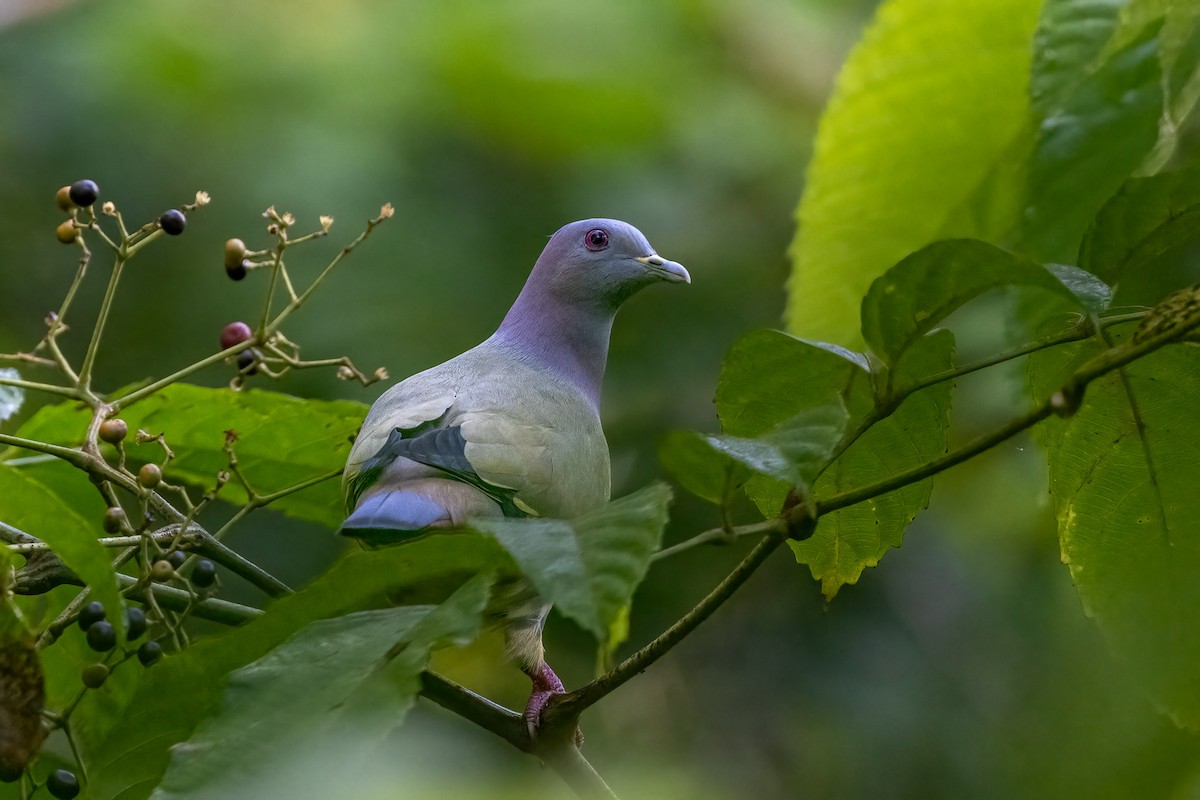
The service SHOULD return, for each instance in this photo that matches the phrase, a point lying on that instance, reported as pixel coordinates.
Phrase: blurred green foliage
(964, 668)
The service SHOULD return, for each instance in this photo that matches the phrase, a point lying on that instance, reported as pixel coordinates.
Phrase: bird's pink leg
(545, 685)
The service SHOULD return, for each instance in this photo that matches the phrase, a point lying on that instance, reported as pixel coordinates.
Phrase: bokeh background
(963, 667)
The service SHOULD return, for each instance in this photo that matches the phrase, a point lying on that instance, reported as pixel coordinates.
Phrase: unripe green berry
(94, 675)
(150, 475)
(235, 251)
(66, 232)
(162, 571)
(63, 198)
(114, 431)
(114, 519)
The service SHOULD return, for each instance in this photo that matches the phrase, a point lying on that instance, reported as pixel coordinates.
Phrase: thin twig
(722, 536)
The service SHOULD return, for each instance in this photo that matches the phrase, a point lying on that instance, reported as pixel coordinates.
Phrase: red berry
(235, 333)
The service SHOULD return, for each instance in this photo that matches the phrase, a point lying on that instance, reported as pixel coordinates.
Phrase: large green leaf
(588, 567)
(127, 753)
(1123, 477)
(282, 441)
(922, 290)
(1147, 218)
(853, 538)
(333, 676)
(927, 112)
(29, 506)
(1070, 36)
(1093, 134)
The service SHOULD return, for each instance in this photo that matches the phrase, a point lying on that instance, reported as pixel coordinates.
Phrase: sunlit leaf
(281, 441)
(1123, 477)
(588, 567)
(334, 676)
(929, 109)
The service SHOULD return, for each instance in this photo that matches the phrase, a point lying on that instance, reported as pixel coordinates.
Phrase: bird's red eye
(596, 239)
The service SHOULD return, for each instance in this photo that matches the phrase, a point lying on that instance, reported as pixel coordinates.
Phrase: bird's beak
(667, 270)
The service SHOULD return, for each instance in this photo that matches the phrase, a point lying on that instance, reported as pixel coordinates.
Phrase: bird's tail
(397, 513)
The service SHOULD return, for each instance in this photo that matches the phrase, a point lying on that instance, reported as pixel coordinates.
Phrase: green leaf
(282, 441)
(928, 117)
(127, 753)
(1098, 132)
(31, 507)
(588, 567)
(1070, 36)
(923, 289)
(11, 397)
(769, 377)
(697, 467)
(1123, 477)
(793, 452)
(334, 676)
(853, 538)
(1147, 218)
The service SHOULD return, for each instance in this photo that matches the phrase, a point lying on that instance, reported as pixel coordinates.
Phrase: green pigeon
(512, 426)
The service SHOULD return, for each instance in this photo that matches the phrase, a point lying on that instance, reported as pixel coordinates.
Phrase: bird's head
(601, 262)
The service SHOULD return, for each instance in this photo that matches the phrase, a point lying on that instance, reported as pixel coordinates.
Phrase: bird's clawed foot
(545, 685)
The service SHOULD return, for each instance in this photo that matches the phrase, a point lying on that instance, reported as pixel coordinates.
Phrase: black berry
(102, 636)
(235, 333)
(83, 193)
(176, 558)
(94, 675)
(63, 784)
(204, 574)
(150, 475)
(114, 430)
(172, 222)
(246, 361)
(149, 652)
(135, 623)
(92, 613)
